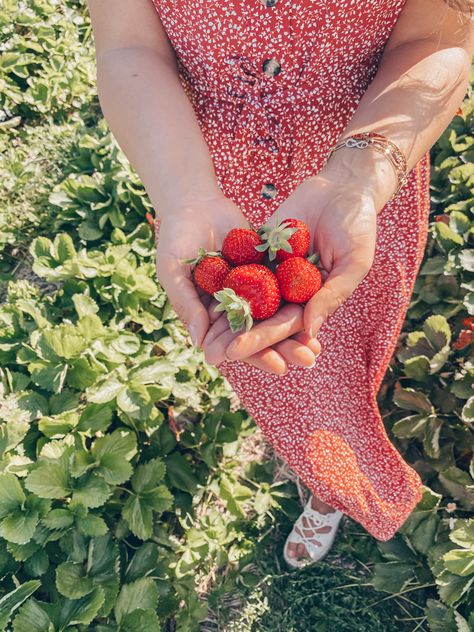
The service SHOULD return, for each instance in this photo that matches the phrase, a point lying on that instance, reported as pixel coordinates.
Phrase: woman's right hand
(182, 232)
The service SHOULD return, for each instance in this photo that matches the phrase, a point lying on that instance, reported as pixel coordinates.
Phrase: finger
(215, 350)
(269, 360)
(287, 321)
(295, 353)
(215, 330)
(176, 281)
(213, 315)
(340, 284)
(204, 297)
(312, 343)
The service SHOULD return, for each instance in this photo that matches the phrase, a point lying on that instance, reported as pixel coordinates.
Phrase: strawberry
(238, 247)
(209, 271)
(468, 322)
(291, 238)
(298, 279)
(150, 219)
(250, 292)
(465, 338)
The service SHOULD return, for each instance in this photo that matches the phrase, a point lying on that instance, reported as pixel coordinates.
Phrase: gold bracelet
(385, 146)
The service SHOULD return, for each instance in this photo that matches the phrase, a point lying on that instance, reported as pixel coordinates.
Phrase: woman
(229, 110)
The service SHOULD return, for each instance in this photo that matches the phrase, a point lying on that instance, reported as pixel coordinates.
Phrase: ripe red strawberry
(238, 247)
(468, 322)
(209, 271)
(298, 279)
(250, 292)
(291, 238)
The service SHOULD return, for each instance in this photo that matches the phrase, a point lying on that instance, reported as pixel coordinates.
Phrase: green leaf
(114, 469)
(51, 377)
(84, 305)
(140, 620)
(469, 303)
(19, 527)
(13, 600)
(105, 392)
(126, 343)
(463, 533)
(49, 480)
(152, 371)
(91, 491)
(119, 443)
(92, 526)
(11, 494)
(41, 247)
(453, 587)
(410, 427)
(440, 617)
(392, 577)
(460, 562)
(180, 473)
(139, 595)
(32, 618)
(409, 399)
(467, 412)
(417, 368)
(147, 475)
(466, 258)
(132, 398)
(159, 499)
(446, 237)
(83, 610)
(438, 332)
(64, 247)
(145, 560)
(139, 517)
(71, 580)
(37, 564)
(431, 439)
(457, 482)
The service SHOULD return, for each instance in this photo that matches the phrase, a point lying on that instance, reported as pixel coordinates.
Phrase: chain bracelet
(383, 145)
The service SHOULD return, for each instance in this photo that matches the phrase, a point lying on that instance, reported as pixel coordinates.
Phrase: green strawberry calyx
(275, 238)
(237, 308)
(202, 252)
(314, 258)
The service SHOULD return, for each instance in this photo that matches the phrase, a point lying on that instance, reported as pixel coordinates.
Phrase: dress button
(271, 67)
(269, 3)
(268, 191)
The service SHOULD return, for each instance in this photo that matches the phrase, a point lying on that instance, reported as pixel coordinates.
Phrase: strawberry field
(135, 494)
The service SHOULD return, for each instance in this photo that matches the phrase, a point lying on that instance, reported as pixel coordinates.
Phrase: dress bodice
(274, 82)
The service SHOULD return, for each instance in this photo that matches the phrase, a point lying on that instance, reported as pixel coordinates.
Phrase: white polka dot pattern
(274, 84)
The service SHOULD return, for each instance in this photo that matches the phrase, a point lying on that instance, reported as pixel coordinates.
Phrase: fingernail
(315, 325)
(193, 334)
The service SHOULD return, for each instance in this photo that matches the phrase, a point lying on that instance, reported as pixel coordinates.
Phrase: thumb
(340, 284)
(185, 300)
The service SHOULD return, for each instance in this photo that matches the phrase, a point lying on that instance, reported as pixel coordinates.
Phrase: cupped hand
(280, 336)
(204, 224)
(342, 222)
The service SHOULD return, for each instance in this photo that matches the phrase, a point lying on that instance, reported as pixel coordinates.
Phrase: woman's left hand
(342, 221)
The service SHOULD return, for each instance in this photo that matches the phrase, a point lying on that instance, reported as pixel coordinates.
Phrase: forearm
(155, 125)
(412, 99)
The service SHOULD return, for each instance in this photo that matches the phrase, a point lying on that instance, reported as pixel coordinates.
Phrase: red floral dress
(274, 84)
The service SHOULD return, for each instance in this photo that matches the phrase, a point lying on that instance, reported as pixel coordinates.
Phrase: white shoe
(310, 537)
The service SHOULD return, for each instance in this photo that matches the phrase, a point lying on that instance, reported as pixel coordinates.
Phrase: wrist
(366, 171)
(173, 201)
